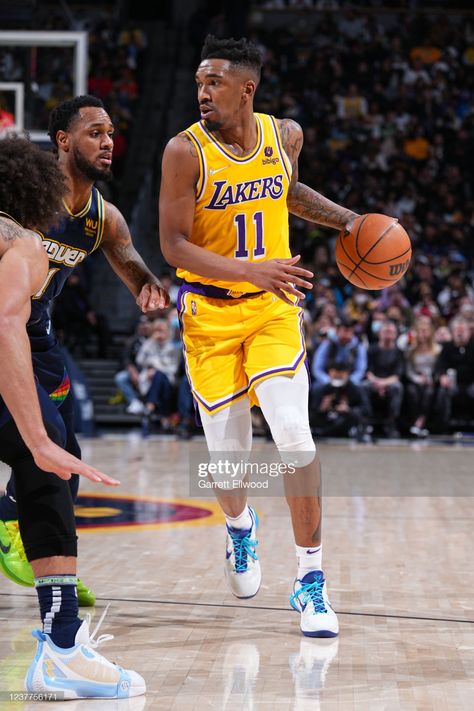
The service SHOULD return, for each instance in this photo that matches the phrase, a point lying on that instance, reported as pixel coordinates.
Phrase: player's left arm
(124, 259)
(302, 200)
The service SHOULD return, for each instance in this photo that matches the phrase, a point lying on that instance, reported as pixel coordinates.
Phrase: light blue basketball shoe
(79, 672)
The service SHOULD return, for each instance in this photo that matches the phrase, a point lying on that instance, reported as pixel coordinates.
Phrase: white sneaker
(136, 407)
(242, 567)
(310, 597)
(79, 672)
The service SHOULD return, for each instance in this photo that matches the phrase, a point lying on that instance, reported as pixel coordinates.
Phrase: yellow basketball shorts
(232, 344)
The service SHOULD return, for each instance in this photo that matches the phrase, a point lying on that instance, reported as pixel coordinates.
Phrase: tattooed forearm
(310, 205)
(122, 256)
(302, 200)
(129, 266)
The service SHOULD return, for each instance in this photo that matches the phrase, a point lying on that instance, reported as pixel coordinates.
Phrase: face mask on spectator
(376, 326)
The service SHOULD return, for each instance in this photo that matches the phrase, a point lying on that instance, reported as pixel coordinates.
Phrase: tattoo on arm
(305, 202)
(123, 256)
(9, 230)
(192, 148)
(302, 200)
(292, 139)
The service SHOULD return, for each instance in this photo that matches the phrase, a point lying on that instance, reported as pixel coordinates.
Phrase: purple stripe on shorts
(211, 291)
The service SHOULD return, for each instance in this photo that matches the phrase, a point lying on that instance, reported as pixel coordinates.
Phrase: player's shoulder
(181, 146)
(11, 230)
(289, 125)
(291, 135)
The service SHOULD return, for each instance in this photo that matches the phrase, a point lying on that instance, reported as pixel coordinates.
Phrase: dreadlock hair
(65, 113)
(32, 184)
(241, 53)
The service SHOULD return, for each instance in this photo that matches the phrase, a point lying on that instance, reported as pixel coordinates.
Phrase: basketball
(375, 253)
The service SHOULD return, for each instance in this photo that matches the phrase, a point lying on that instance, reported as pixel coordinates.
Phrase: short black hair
(240, 52)
(346, 322)
(342, 366)
(66, 112)
(32, 184)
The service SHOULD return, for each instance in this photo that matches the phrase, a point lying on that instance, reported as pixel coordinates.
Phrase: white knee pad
(284, 403)
(230, 429)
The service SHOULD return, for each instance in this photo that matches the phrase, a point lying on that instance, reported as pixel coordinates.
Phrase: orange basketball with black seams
(375, 253)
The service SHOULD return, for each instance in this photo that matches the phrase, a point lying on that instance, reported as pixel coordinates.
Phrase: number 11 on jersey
(242, 251)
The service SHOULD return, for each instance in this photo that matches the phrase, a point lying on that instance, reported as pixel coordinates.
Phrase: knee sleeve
(284, 403)
(230, 429)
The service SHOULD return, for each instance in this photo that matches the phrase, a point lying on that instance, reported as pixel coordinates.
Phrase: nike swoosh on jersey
(217, 170)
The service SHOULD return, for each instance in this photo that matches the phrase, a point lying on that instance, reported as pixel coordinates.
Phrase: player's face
(221, 91)
(92, 143)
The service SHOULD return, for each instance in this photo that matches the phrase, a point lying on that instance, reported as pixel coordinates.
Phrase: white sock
(309, 558)
(243, 520)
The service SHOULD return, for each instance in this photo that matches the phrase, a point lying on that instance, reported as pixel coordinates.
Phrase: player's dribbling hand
(280, 277)
(51, 458)
(151, 297)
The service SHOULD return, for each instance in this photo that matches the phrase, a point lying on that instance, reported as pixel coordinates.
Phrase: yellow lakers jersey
(241, 207)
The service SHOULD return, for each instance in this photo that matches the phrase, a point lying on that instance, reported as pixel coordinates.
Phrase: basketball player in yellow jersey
(228, 183)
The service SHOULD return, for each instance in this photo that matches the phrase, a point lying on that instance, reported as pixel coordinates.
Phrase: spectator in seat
(126, 379)
(454, 370)
(385, 371)
(421, 359)
(338, 408)
(158, 359)
(345, 347)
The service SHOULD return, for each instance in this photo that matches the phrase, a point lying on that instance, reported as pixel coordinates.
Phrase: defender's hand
(151, 297)
(280, 277)
(51, 458)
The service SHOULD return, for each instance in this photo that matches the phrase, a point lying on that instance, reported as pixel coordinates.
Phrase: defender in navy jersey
(31, 440)
(82, 133)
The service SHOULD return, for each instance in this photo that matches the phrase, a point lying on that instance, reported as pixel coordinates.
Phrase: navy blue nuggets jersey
(67, 245)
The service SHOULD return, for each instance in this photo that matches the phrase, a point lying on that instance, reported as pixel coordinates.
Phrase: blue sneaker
(318, 619)
(242, 567)
(79, 672)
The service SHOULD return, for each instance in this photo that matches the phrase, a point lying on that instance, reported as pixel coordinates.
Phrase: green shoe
(13, 561)
(85, 596)
(15, 566)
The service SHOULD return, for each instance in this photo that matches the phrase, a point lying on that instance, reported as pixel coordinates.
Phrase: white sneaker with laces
(242, 566)
(310, 598)
(79, 672)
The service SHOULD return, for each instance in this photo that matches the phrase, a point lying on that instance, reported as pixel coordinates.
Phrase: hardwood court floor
(399, 567)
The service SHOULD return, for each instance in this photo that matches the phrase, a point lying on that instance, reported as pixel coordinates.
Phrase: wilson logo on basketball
(395, 269)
